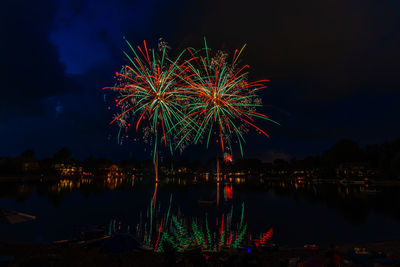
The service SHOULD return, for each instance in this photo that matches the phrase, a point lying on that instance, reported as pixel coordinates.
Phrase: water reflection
(277, 203)
(353, 201)
(160, 227)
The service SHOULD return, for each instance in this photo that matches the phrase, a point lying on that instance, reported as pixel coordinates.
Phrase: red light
(229, 192)
(228, 158)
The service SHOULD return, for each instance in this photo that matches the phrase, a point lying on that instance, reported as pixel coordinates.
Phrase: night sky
(334, 68)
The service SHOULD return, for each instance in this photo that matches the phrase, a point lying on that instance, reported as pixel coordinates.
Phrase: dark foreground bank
(366, 254)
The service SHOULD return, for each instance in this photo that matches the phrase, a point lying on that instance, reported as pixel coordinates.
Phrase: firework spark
(177, 102)
(185, 232)
(149, 94)
(223, 100)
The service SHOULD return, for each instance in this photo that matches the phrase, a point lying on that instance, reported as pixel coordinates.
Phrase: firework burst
(149, 95)
(223, 101)
(177, 102)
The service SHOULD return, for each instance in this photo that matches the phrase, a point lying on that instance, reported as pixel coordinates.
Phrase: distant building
(279, 172)
(182, 170)
(30, 166)
(111, 170)
(306, 173)
(68, 169)
(167, 171)
(354, 170)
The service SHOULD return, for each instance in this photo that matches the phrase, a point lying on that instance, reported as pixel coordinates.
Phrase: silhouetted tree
(345, 151)
(253, 165)
(396, 165)
(129, 164)
(11, 166)
(63, 155)
(28, 155)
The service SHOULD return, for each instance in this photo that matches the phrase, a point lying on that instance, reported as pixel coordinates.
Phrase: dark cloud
(31, 71)
(333, 66)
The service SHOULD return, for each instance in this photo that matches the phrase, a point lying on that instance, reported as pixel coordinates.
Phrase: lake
(299, 212)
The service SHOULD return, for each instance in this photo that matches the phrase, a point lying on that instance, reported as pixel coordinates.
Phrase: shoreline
(77, 255)
(339, 180)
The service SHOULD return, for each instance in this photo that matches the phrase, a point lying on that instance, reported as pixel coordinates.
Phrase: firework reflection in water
(156, 228)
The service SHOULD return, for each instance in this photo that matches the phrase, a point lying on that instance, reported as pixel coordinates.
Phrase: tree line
(383, 158)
